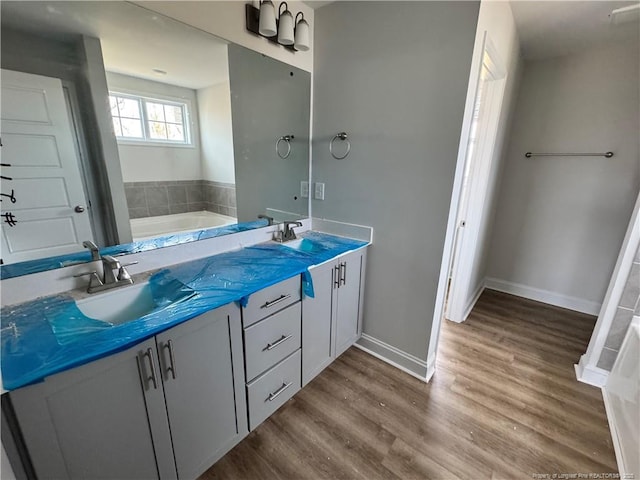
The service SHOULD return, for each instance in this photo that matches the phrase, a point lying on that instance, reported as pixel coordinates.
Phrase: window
(150, 120)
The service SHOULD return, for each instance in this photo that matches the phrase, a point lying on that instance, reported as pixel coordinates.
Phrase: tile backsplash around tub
(628, 307)
(151, 199)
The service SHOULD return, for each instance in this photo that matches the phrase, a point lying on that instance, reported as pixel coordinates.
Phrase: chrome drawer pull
(172, 359)
(271, 346)
(343, 270)
(152, 377)
(282, 298)
(274, 395)
(336, 276)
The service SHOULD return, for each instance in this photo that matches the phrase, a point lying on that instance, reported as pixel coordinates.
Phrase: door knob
(79, 209)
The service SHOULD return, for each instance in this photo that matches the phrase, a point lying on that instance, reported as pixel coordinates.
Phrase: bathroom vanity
(175, 402)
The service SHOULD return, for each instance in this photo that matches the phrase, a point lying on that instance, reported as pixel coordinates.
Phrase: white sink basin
(132, 302)
(303, 245)
(120, 305)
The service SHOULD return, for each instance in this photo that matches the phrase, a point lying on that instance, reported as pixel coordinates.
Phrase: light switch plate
(319, 192)
(304, 189)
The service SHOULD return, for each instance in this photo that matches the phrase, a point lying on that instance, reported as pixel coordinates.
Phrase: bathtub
(150, 227)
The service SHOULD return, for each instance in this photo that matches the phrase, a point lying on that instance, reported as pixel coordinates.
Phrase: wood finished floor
(503, 403)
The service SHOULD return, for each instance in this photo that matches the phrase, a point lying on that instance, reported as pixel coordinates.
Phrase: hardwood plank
(503, 404)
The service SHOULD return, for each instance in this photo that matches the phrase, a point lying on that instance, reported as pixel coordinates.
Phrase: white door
(44, 209)
(463, 292)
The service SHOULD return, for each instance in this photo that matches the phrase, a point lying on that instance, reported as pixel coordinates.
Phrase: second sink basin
(303, 245)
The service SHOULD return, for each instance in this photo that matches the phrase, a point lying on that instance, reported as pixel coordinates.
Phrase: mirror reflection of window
(149, 119)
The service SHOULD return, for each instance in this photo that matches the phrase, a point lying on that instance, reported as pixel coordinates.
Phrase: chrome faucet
(93, 248)
(288, 233)
(110, 265)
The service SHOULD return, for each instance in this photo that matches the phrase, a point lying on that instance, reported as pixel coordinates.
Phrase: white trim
(617, 445)
(397, 358)
(544, 296)
(590, 375)
(431, 366)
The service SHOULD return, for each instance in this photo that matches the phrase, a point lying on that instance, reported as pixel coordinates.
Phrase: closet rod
(605, 154)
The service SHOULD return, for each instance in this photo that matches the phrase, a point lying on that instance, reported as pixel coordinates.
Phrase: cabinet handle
(274, 395)
(271, 346)
(172, 359)
(282, 298)
(152, 377)
(343, 269)
(336, 276)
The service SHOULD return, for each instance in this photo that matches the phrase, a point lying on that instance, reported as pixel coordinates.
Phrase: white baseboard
(591, 375)
(407, 363)
(544, 296)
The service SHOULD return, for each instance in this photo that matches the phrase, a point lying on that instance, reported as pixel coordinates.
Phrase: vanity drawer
(274, 338)
(271, 300)
(270, 391)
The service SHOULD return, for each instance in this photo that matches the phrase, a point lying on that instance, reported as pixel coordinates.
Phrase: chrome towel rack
(345, 138)
(604, 154)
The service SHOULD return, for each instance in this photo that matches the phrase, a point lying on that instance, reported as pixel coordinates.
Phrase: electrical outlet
(319, 193)
(304, 189)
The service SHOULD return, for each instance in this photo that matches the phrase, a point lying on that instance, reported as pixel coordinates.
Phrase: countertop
(32, 350)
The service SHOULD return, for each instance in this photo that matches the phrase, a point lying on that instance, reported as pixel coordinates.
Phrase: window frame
(184, 103)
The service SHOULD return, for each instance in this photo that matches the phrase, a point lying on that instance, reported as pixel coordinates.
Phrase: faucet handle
(94, 281)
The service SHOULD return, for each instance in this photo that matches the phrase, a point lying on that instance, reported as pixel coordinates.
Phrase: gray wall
(628, 307)
(560, 221)
(267, 105)
(394, 77)
(214, 107)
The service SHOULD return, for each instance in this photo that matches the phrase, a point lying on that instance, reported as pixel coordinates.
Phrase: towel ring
(285, 138)
(345, 138)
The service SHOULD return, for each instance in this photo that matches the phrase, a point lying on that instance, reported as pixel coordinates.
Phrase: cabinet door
(347, 304)
(316, 323)
(203, 375)
(91, 422)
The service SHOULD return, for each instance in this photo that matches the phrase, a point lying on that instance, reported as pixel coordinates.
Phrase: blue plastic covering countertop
(50, 263)
(50, 334)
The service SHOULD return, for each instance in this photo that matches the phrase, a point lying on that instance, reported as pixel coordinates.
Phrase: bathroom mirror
(185, 135)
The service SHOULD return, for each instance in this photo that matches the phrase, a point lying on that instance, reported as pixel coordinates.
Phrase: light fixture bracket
(252, 15)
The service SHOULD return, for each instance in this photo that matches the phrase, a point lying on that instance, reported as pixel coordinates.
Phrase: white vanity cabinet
(332, 320)
(175, 401)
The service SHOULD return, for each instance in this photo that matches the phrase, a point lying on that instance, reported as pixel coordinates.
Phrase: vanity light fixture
(267, 15)
(285, 26)
(292, 34)
(302, 34)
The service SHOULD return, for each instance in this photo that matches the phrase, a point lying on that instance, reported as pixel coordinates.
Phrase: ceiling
(554, 28)
(135, 41)
(317, 3)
